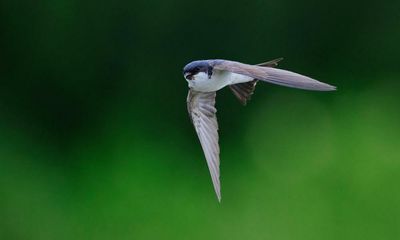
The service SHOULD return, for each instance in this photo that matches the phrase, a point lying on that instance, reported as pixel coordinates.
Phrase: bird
(206, 77)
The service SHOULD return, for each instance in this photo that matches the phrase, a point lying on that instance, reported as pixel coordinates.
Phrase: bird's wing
(203, 115)
(273, 75)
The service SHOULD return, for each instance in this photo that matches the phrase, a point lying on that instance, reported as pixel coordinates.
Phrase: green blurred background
(96, 143)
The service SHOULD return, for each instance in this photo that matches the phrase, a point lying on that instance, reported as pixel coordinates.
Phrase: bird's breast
(202, 83)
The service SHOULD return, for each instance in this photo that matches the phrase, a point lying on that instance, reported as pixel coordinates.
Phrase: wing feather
(202, 111)
(273, 75)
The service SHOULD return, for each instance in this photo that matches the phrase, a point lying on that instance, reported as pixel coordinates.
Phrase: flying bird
(205, 77)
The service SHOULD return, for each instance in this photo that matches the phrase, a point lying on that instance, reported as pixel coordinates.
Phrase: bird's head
(193, 69)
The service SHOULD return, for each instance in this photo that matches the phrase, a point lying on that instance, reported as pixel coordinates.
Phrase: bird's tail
(243, 91)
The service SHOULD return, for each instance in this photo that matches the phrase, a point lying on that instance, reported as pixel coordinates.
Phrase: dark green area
(96, 143)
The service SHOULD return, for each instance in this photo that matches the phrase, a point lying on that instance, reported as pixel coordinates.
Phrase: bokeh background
(96, 143)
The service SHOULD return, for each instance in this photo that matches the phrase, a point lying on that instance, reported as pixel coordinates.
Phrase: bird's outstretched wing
(273, 75)
(203, 115)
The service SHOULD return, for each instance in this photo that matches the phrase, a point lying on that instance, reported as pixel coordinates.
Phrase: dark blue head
(195, 67)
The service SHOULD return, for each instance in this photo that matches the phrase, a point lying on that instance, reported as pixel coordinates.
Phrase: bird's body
(205, 77)
(219, 79)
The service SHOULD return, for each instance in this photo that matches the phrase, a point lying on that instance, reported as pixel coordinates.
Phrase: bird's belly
(218, 80)
(239, 78)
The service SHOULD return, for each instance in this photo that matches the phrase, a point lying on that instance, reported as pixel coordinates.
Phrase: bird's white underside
(218, 80)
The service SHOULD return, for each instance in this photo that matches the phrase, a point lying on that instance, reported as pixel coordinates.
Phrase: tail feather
(243, 91)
